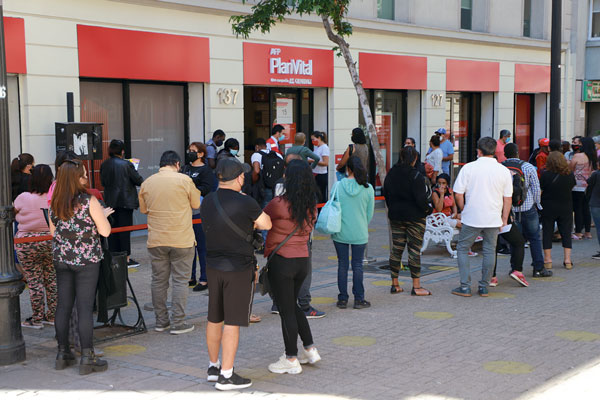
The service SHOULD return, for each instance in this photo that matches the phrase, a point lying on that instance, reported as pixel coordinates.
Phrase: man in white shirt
(483, 191)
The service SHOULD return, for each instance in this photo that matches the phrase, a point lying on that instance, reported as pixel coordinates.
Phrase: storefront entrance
(523, 133)
(463, 121)
(265, 107)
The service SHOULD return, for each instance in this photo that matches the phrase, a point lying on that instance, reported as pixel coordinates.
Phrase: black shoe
(91, 363)
(596, 256)
(212, 375)
(65, 358)
(192, 283)
(504, 252)
(200, 287)
(132, 263)
(358, 304)
(542, 273)
(232, 383)
(342, 304)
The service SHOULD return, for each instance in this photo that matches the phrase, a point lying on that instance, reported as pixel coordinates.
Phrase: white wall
(487, 115)
(14, 122)
(413, 116)
(540, 117)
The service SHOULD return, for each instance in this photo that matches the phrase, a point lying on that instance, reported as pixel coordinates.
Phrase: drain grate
(383, 267)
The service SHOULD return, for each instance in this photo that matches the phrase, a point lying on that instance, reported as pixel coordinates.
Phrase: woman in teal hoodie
(356, 197)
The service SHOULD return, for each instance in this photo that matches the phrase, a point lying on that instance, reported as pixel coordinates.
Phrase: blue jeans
(528, 223)
(596, 216)
(466, 238)
(200, 253)
(358, 253)
(269, 194)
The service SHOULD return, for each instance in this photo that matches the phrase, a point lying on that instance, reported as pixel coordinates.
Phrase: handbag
(330, 218)
(264, 286)
(255, 239)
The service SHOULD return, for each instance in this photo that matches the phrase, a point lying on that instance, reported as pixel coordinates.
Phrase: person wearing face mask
(205, 180)
(212, 147)
(504, 139)
(20, 171)
(277, 135)
(583, 163)
(230, 149)
(322, 150)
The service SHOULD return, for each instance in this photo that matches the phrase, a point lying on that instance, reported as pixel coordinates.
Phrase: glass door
(463, 121)
(292, 109)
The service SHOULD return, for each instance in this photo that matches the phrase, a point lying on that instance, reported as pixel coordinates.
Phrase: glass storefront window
(463, 121)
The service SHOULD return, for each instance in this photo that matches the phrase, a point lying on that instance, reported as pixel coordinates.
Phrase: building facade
(160, 74)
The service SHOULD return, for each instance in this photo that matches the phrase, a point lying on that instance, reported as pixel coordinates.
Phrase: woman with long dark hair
(407, 197)
(356, 197)
(20, 173)
(295, 212)
(583, 163)
(76, 221)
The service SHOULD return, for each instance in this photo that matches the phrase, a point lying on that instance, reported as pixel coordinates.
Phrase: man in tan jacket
(168, 198)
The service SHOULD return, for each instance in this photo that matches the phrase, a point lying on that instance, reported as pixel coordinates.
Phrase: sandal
(548, 265)
(568, 265)
(576, 237)
(414, 293)
(396, 289)
(30, 323)
(255, 319)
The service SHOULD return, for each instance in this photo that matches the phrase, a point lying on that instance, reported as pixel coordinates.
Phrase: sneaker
(48, 322)
(504, 252)
(274, 309)
(285, 366)
(342, 304)
(232, 383)
(494, 282)
(473, 254)
(313, 313)
(359, 304)
(212, 375)
(542, 273)
(132, 263)
(191, 283)
(162, 328)
(519, 277)
(483, 292)
(30, 323)
(183, 328)
(200, 287)
(596, 256)
(461, 291)
(478, 239)
(526, 245)
(309, 356)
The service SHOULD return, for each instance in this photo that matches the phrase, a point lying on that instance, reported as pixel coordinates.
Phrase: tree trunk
(362, 96)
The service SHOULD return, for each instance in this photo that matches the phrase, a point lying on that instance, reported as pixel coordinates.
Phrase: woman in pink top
(36, 257)
(293, 213)
(583, 163)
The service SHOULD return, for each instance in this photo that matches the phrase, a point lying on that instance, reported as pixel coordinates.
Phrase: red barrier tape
(126, 228)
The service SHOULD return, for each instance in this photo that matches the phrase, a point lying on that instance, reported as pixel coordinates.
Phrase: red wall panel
(472, 76)
(14, 39)
(388, 71)
(532, 78)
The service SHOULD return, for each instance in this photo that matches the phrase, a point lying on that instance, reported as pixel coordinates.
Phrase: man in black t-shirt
(229, 219)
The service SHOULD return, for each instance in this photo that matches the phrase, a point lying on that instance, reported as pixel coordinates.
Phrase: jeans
(466, 238)
(529, 224)
(200, 253)
(581, 208)
(177, 264)
(358, 253)
(269, 194)
(76, 282)
(517, 249)
(121, 241)
(595, 211)
(286, 276)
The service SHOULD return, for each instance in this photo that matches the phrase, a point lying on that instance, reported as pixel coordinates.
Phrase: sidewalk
(540, 342)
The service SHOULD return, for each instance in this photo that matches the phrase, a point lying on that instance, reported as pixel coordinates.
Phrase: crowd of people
(270, 207)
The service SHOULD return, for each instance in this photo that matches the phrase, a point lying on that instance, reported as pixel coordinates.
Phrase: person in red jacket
(540, 159)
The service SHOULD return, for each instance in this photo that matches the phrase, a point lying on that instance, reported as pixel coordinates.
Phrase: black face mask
(190, 157)
(219, 143)
(575, 147)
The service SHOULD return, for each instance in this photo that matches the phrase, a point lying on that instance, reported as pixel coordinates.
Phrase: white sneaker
(283, 365)
(309, 356)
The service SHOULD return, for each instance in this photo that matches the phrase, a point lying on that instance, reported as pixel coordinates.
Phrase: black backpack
(519, 182)
(272, 168)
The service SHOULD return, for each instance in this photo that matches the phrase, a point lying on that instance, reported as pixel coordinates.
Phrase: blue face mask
(508, 139)
(234, 152)
(282, 138)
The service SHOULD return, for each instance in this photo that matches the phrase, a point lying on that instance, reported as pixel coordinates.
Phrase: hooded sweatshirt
(358, 204)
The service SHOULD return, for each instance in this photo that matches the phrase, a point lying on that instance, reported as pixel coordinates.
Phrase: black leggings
(121, 241)
(286, 276)
(321, 180)
(76, 282)
(517, 248)
(565, 225)
(581, 208)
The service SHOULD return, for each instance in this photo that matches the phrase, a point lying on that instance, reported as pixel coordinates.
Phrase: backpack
(519, 183)
(272, 168)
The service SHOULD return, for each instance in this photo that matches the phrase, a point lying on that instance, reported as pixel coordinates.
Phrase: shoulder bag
(264, 286)
(255, 240)
(330, 218)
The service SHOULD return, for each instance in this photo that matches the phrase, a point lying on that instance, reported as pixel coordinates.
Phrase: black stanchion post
(12, 345)
(555, 69)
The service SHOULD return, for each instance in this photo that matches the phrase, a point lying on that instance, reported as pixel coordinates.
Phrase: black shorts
(230, 296)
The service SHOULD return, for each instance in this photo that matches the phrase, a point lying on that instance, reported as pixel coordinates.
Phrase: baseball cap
(596, 139)
(441, 131)
(228, 169)
(544, 142)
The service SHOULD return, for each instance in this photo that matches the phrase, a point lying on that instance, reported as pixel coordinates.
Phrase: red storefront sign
(388, 71)
(273, 65)
(125, 54)
(14, 42)
(532, 78)
(472, 76)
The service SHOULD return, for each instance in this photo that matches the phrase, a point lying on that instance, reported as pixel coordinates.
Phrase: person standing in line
(277, 135)
(302, 150)
(418, 164)
(583, 163)
(435, 157)
(447, 149)
(77, 261)
(575, 144)
(168, 198)
(565, 147)
(319, 140)
(526, 215)
(596, 140)
(36, 257)
(542, 155)
(407, 196)
(231, 149)
(358, 148)
(356, 196)
(229, 219)
(120, 178)
(204, 179)
(293, 215)
(483, 191)
(504, 139)
(212, 147)
(20, 173)
(593, 193)
(557, 206)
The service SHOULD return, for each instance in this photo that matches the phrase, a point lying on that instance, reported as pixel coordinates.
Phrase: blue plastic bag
(330, 218)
